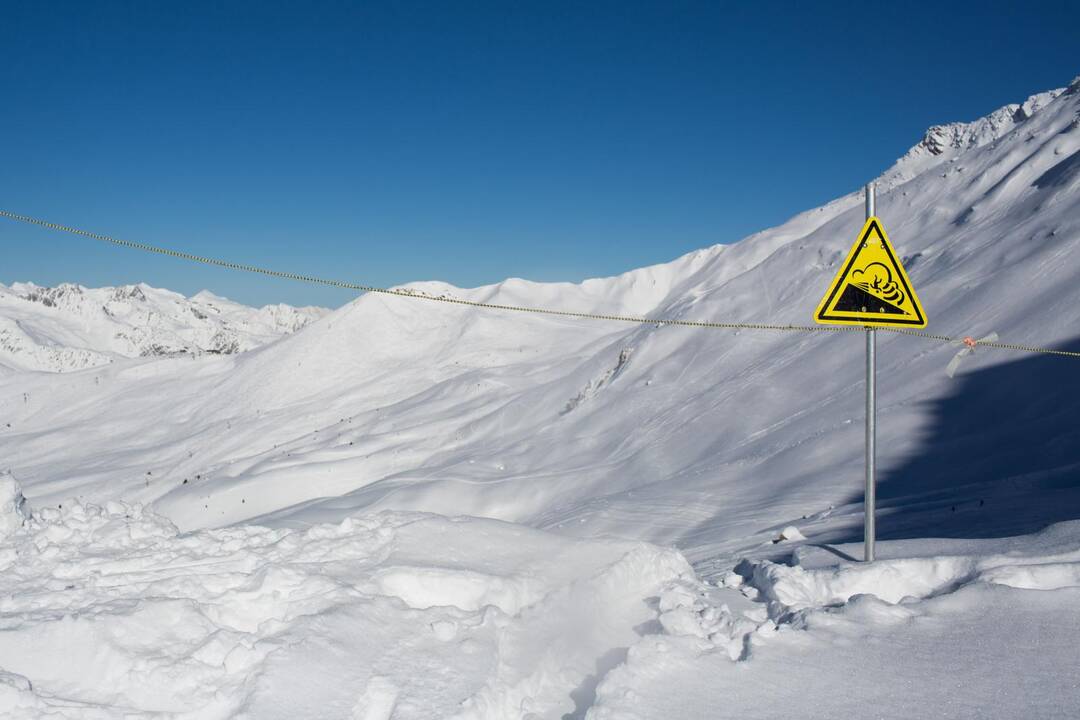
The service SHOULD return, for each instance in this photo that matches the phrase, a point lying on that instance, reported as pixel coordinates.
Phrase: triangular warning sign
(871, 288)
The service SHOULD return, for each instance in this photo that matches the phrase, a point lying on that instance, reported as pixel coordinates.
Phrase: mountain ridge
(70, 327)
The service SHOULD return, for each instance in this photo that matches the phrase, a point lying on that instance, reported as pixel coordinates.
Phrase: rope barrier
(512, 308)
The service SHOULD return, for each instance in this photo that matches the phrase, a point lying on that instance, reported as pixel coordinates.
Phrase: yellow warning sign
(871, 288)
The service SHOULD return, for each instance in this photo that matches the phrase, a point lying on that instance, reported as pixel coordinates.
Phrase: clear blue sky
(470, 141)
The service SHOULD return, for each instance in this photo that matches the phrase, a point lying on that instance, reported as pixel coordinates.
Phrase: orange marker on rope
(969, 344)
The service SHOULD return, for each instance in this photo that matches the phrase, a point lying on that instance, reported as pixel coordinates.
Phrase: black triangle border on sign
(878, 319)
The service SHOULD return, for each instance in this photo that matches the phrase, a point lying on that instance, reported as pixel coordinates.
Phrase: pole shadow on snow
(1000, 457)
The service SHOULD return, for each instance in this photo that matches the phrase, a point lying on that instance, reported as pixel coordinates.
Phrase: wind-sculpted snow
(982, 629)
(69, 327)
(108, 612)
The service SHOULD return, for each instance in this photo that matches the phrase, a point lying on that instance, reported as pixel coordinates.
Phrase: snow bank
(110, 612)
(1043, 562)
(985, 634)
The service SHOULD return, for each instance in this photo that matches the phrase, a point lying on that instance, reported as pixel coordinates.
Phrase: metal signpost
(870, 496)
(872, 290)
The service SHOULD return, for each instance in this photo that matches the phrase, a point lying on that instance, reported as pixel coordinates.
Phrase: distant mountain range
(70, 327)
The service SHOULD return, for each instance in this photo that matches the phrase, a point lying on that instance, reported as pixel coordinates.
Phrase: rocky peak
(941, 143)
(62, 294)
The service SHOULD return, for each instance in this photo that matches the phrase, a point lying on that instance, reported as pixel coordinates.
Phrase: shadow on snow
(1000, 457)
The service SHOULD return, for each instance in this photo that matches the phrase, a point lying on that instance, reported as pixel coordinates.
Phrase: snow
(70, 327)
(381, 614)
(13, 511)
(790, 534)
(989, 633)
(403, 509)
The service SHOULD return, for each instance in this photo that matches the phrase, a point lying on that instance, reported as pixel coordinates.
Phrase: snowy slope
(711, 441)
(70, 327)
(648, 431)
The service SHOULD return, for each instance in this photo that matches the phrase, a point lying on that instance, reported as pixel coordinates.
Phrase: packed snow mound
(13, 509)
(965, 629)
(1049, 560)
(70, 327)
(389, 615)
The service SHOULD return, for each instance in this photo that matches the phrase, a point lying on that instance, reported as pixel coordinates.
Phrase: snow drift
(108, 612)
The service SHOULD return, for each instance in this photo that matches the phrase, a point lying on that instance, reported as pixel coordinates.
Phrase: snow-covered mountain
(70, 327)
(947, 142)
(319, 575)
(640, 430)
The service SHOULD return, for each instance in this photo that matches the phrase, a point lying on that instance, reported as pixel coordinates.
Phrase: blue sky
(470, 141)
